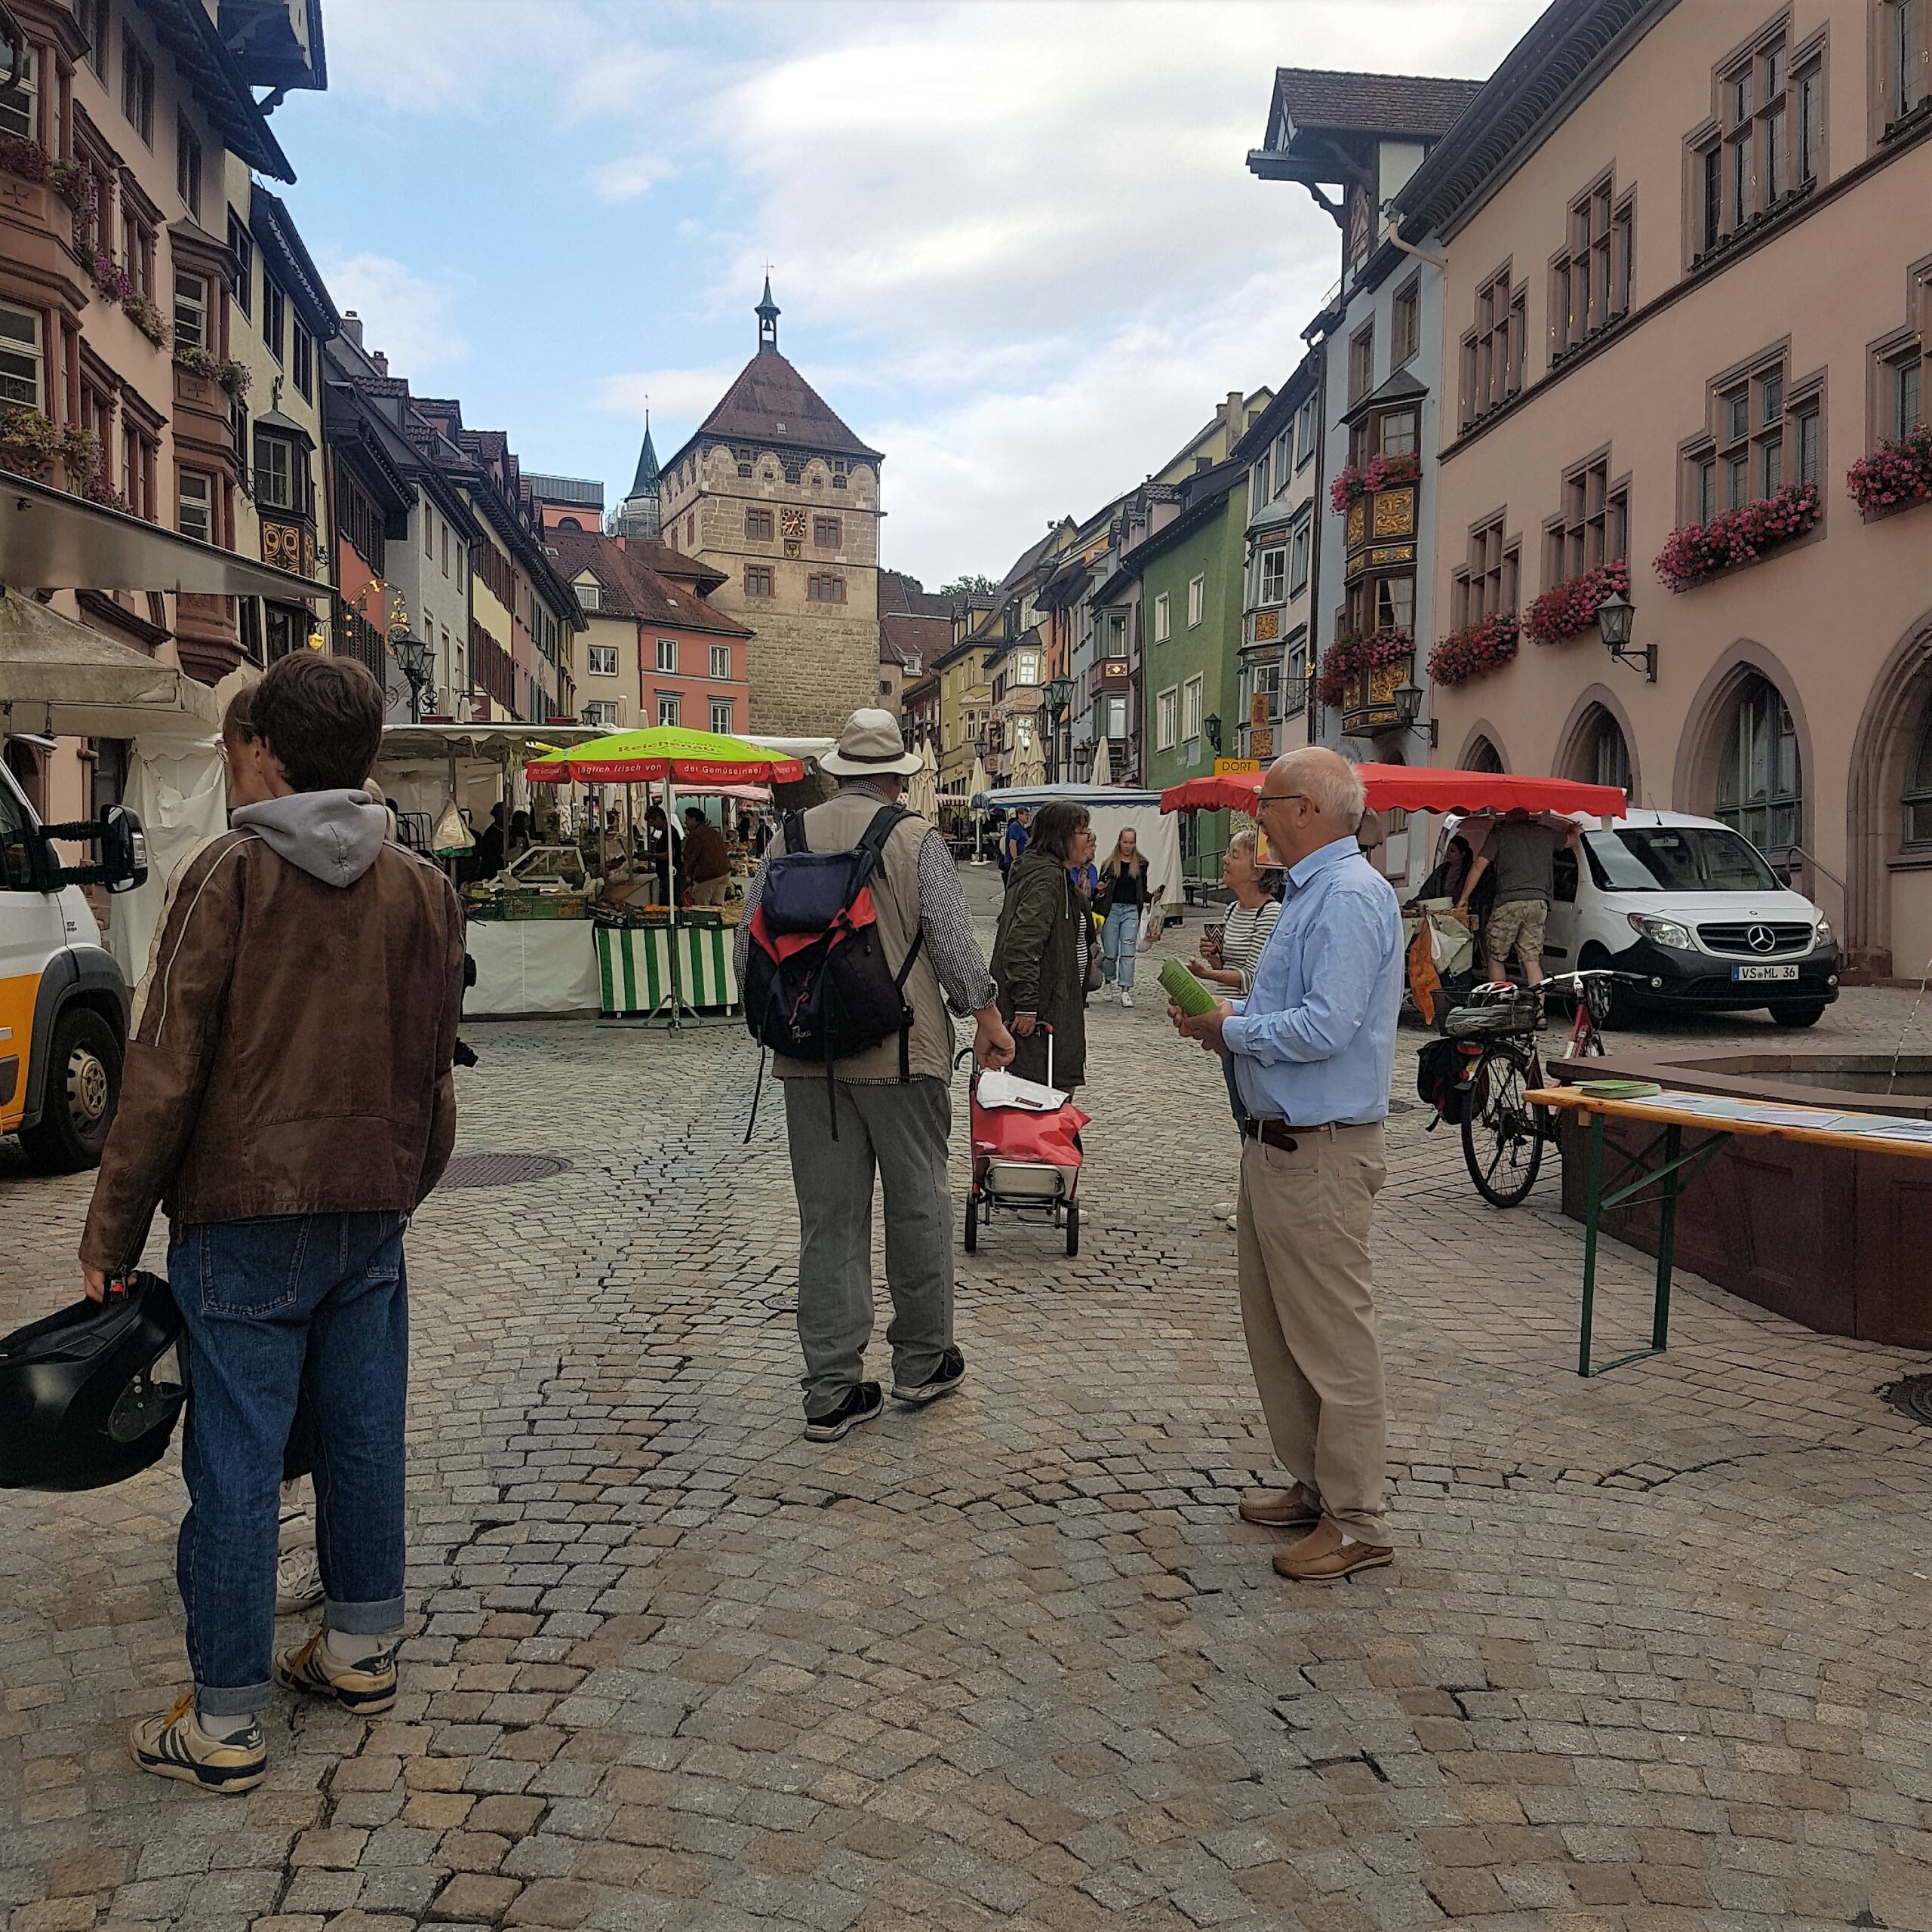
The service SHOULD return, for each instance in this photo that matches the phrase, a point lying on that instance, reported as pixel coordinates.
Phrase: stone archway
(1482, 749)
(1895, 712)
(1595, 706)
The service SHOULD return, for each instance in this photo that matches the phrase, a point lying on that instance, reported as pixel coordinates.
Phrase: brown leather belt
(1275, 1133)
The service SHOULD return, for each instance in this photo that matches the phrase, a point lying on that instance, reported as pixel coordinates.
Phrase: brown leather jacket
(291, 1046)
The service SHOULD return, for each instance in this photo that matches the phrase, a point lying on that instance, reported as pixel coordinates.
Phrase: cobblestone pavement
(1653, 1653)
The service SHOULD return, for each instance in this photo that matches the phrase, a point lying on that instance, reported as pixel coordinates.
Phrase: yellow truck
(63, 1001)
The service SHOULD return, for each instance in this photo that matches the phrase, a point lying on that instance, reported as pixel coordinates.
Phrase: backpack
(1440, 1068)
(818, 983)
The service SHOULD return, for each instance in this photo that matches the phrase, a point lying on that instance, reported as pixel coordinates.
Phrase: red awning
(1417, 788)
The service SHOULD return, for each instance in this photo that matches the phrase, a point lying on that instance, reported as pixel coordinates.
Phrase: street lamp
(1408, 711)
(417, 661)
(1616, 616)
(1059, 693)
(1211, 723)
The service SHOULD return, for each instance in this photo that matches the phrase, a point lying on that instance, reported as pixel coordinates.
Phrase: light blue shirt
(1314, 1040)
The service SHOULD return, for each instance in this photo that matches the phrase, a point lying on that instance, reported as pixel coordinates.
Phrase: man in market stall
(899, 1127)
(707, 860)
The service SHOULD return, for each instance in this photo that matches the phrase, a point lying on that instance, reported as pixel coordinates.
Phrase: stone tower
(774, 490)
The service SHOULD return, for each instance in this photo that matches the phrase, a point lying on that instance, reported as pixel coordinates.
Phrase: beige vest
(837, 826)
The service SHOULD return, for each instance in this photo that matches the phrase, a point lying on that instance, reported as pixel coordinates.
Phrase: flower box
(233, 377)
(27, 159)
(1568, 609)
(1698, 552)
(1475, 650)
(145, 314)
(1380, 472)
(1351, 655)
(28, 441)
(1897, 473)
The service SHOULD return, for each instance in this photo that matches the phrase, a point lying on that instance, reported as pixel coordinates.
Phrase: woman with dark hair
(1040, 956)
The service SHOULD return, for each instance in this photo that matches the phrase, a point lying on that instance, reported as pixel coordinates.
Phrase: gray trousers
(901, 1131)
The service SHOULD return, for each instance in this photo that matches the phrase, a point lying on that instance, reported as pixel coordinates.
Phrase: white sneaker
(298, 1580)
(1126, 998)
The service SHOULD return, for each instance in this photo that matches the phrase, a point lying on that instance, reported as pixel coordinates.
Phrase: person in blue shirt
(1312, 1048)
(1012, 843)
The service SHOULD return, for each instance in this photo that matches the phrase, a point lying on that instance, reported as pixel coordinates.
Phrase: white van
(1696, 909)
(63, 1001)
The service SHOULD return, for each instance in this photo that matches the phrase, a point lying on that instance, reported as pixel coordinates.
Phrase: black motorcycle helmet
(90, 1396)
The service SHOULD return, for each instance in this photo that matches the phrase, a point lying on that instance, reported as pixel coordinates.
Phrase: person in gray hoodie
(287, 1099)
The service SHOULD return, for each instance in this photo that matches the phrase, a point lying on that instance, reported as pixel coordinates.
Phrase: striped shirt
(1244, 936)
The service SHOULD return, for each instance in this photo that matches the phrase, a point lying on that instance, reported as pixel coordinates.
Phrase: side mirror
(121, 845)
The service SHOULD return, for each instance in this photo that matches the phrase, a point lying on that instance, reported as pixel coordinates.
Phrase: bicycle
(1503, 1134)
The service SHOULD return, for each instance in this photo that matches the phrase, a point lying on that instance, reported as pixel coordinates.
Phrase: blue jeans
(1234, 1092)
(1119, 938)
(313, 1303)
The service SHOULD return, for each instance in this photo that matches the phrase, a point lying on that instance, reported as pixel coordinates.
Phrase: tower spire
(642, 515)
(767, 312)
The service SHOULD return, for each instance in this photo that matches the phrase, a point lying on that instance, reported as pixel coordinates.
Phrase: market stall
(1111, 810)
(656, 960)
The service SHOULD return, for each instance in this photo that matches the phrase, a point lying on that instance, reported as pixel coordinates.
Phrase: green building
(1192, 580)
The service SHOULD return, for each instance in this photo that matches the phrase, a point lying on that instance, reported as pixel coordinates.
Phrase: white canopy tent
(1111, 809)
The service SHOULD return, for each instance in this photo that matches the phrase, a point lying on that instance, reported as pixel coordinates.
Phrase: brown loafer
(1324, 1556)
(1296, 1509)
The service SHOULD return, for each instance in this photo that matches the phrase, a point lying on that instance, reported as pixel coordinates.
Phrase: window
(197, 506)
(841, 472)
(241, 246)
(1768, 139)
(1027, 668)
(1361, 362)
(721, 716)
(1300, 542)
(1748, 460)
(720, 660)
(1274, 575)
(273, 305)
(601, 659)
(1305, 433)
(824, 587)
(1167, 714)
(1396, 429)
(1110, 715)
(190, 310)
(667, 653)
(667, 708)
(1197, 598)
(1908, 59)
(22, 362)
(1488, 583)
(357, 518)
(757, 580)
(1759, 783)
(1163, 619)
(1591, 286)
(445, 529)
(1281, 463)
(1380, 604)
(1902, 391)
(1804, 421)
(1808, 91)
(304, 360)
(826, 532)
(1492, 351)
(1257, 485)
(1190, 709)
(281, 474)
(602, 711)
(757, 526)
(1405, 329)
(590, 595)
(91, 17)
(1594, 525)
(137, 87)
(187, 165)
(1917, 827)
(19, 105)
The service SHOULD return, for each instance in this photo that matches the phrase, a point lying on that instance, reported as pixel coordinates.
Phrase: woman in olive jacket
(1040, 955)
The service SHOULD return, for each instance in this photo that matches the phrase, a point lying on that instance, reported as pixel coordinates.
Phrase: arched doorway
(1482, 755)
(1760, 776)
(1594, 745)
(1888, 815)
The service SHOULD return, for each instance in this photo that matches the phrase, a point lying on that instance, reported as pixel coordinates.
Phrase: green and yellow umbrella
(665, 752)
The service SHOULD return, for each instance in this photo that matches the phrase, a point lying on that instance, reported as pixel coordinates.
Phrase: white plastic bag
(1150, 926)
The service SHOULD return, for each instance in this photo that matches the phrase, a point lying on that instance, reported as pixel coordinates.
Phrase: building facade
(915, 632)
(1713, 226)
(776, 492)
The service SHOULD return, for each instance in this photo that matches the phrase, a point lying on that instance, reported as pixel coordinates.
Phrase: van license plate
(1763, 972)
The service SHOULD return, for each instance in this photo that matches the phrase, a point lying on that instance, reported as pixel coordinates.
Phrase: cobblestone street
(1653, 1653)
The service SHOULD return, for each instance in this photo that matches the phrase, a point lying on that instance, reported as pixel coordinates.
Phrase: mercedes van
(63, 1001)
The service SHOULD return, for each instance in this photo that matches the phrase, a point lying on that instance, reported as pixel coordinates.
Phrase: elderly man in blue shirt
(1311, 1048)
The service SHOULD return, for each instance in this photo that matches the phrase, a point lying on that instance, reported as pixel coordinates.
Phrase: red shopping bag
(1013, 1133)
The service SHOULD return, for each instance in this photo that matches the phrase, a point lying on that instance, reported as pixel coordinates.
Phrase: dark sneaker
(176, 1746)
(365, 1688)
(947, 1375)
(863, 1402)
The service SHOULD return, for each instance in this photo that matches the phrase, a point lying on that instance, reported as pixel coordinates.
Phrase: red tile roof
(629, 587)
(903, 639)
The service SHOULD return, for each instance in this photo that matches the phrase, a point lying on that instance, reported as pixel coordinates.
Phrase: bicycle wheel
(1501, 1144)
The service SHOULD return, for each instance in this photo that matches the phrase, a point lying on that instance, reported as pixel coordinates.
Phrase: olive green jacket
(1038, 962)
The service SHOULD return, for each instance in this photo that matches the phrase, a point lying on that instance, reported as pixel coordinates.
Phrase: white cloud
(627, 178)
(677, 398)
(409, 317)
(428, 56)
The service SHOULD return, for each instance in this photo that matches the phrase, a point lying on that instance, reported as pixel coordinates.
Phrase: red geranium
(1568, 609)
(1380, 472)
(1475, 650)
(1897, 473)
(1698, 552)
(1352, 653)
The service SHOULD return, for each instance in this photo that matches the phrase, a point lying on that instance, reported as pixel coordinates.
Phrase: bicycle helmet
(90, 1396)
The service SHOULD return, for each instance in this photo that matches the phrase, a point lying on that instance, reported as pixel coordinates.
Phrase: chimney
(1231, 415)
(352, 326)
(381, 362)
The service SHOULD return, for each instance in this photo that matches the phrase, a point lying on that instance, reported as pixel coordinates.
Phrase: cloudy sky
(1015, 242)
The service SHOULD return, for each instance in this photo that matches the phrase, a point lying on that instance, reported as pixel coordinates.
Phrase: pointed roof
(768, 311)
(645, 483)
(772, 405)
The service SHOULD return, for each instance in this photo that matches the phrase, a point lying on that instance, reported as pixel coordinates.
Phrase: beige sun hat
(870, 747)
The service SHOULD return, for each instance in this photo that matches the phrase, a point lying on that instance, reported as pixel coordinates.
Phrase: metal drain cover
(1912, 1397)
(500, 1170)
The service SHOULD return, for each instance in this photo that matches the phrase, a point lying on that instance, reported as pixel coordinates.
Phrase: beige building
(774, 490)
(1689, 287)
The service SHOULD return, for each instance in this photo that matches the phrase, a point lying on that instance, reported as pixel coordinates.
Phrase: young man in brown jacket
(288, 1101)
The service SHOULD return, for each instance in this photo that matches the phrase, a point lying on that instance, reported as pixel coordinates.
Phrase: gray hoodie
(333, 836)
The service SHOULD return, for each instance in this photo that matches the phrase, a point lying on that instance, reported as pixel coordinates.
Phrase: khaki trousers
(1308, 1308)
(709, 891)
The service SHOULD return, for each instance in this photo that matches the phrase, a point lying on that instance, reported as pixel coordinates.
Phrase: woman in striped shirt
(1229, 962)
